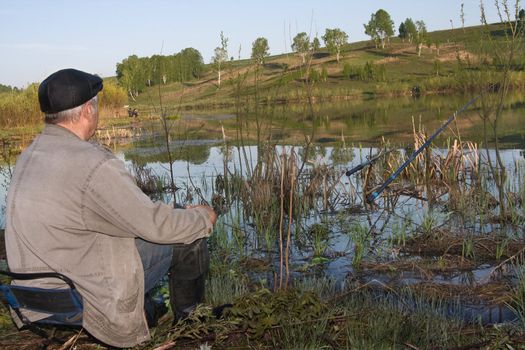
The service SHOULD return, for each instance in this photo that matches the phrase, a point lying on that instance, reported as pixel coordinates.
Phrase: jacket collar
(57, 130)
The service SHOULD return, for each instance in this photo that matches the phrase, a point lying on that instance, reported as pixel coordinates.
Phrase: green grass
(314, 314)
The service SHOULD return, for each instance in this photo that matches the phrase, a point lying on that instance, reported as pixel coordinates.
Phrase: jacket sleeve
(114, 205)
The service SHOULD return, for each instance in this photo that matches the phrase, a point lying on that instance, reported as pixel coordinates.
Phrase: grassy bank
(313, 315)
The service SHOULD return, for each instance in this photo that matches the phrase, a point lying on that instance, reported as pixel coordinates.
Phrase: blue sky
(38, 37)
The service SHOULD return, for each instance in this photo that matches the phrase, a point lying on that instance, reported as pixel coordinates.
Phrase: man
(73, 208)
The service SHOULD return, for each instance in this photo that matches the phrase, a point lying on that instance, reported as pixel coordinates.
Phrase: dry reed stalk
(419, 140)
(166, 346)
(290, 218)
(325, 195)
(225, 170)
(427, 177)
(281, 218)
(70, 343)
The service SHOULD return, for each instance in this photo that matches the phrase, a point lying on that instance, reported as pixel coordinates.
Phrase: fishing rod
(371, 197)
(367, 163)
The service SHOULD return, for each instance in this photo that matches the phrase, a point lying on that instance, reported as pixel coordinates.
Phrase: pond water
(344, 135)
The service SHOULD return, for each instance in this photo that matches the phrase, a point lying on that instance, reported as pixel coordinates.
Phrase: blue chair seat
(64, 305)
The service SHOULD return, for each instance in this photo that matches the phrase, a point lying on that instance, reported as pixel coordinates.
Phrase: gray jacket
(72, 207)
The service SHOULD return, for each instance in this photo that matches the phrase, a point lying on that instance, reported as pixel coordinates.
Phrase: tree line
(136, 73)
(7, 88)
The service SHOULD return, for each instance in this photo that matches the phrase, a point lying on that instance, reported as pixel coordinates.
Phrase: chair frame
(69, 295)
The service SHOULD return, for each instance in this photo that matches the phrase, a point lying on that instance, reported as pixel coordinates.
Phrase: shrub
(368, 72)
(352, 72)
(113, 95)
(314, 76)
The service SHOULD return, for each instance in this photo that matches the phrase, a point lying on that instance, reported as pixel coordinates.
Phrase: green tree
(131, 73)
(260, 50)
(316, 45)
(410, 29)
(437, 43)
(5, 88)
(421, 36)
(157, 70)
(220, 57)
(301, 45)
(334, 40)
(192, 62)
(371, 30)
(134, 73)
(402, 31)
(380, 27)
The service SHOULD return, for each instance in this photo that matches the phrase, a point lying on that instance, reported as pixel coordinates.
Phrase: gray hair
(69, 115)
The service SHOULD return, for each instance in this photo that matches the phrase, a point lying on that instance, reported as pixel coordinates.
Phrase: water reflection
(338, 125)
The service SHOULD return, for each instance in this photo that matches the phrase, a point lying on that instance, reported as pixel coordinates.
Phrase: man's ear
(86, 110)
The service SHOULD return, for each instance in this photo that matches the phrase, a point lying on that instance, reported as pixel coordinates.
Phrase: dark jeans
(156, 260)
(187, 265)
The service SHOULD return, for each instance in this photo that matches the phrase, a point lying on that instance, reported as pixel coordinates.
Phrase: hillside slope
(446, 64)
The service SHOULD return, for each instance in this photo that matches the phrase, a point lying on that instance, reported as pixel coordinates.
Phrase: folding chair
(64, 306)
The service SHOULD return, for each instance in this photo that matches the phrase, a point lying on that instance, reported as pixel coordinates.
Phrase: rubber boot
(187, 275)
(185, 295)
(154, 308)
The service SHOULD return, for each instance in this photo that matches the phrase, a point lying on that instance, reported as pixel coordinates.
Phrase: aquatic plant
(319, 234)
(467, 247)
(399, 233)
(360, 236)
(517, 303)
(259, 311)
(501, 248)
(148, 181)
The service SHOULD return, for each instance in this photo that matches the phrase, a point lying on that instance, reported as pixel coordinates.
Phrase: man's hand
(211, 213)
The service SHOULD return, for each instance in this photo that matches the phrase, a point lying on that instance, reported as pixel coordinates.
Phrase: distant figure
(133, 113)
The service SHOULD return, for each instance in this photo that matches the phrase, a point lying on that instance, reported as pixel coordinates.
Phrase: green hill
(450, 61)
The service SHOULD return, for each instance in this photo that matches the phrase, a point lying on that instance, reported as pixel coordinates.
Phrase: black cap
(67, 88)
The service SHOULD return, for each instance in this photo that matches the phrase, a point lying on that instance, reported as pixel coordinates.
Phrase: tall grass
(20, 108)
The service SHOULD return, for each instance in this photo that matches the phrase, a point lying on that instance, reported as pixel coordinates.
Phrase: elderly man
(73, 208)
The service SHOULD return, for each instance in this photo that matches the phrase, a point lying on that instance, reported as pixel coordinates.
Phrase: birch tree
(334, 40)
(220, 57)
(380, 27)
(260, 50)
(301, 45)
(421, 36)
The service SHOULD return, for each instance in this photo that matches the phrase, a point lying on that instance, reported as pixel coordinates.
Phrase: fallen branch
(71, 341)
(166, 346)
(486, 279)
